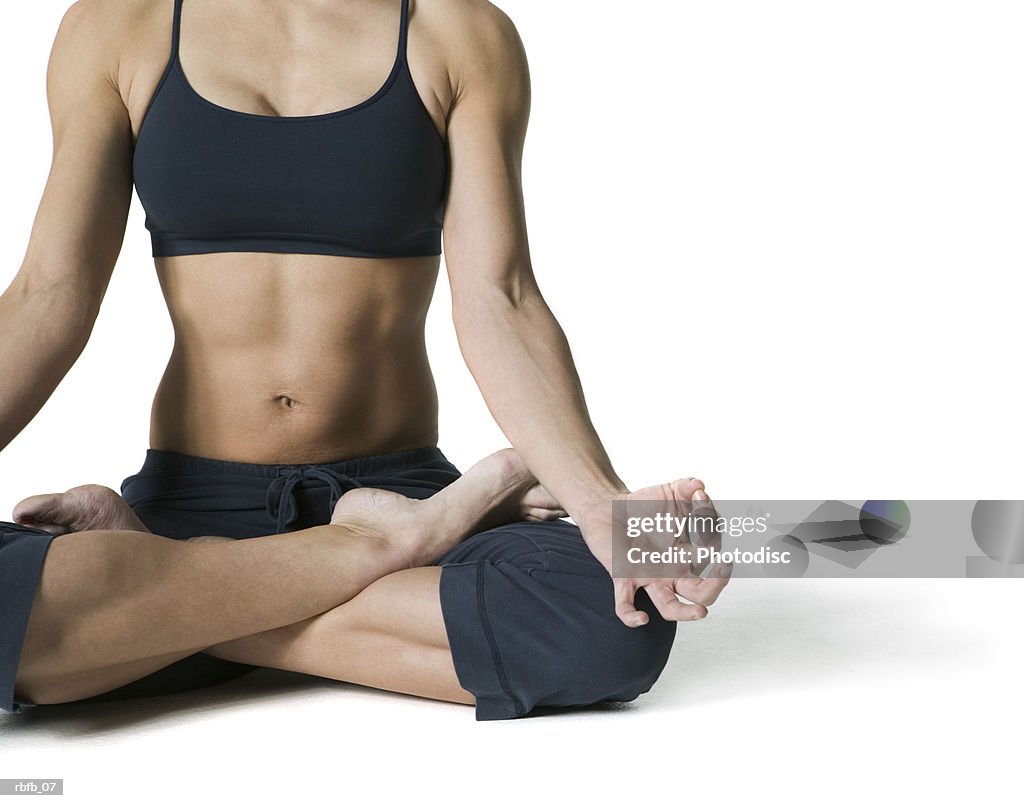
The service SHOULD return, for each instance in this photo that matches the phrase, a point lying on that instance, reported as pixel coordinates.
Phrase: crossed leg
(114, 605)
(392, 636)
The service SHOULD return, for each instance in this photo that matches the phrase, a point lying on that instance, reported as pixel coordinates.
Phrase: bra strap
(176, 30)
(403, 29)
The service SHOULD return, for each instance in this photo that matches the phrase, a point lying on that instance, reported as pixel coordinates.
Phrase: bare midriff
(282, 358)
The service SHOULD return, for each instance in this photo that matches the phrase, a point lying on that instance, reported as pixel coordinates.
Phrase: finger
(664, 598)
(704, 519)
(625, 592)
(683, 489)
(705, 523)
(705, 591)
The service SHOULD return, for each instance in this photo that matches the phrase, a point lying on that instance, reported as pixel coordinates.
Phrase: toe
(538, 499)
(544, 514)
(38, 509)
(43, 512)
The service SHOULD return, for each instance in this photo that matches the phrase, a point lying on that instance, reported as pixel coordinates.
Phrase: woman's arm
(48, 311)
(511, 342)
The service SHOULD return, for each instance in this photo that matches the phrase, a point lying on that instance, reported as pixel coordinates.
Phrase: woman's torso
(278, 357)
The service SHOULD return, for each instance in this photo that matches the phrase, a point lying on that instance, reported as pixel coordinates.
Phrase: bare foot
(85, 507)
(510, 491)
(497, 490)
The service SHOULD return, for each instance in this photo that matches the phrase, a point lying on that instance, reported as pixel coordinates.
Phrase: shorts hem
(22, 553)
(475, 653)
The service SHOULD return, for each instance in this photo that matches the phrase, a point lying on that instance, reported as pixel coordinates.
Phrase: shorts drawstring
(281, 503)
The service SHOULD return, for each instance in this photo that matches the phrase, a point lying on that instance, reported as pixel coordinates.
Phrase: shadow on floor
(82, 719)
(783, 636)
(770, 636)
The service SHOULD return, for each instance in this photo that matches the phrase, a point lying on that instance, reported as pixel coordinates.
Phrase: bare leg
(391, 636)
(113, 606)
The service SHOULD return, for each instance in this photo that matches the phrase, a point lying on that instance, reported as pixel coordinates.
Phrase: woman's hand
(681, 498)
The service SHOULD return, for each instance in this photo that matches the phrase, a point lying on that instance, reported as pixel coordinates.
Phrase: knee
(594, 657)
(624, 662)
(40, 689)
(82, 570)
(80, 582)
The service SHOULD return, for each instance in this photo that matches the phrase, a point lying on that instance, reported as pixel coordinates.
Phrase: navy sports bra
(368, 181)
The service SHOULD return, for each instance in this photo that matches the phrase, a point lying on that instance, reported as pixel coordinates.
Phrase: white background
(784, 240)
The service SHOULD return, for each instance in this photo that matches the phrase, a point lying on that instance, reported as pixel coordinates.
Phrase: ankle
(414, 543)
(365, 549)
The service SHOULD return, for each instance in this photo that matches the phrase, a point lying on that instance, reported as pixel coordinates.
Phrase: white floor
(791, 693)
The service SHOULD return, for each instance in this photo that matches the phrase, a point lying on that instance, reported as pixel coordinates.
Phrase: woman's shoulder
(476, 37)
(127, 42)
(113, 26)
(107, 18)
(479, 21)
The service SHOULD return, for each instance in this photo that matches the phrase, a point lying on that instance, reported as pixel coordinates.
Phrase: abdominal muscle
(295, 358)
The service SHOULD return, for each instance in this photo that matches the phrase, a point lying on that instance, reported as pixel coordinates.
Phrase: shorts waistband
(159, 461)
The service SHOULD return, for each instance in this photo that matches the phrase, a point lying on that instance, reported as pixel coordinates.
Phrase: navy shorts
(22, 554)
(529, 612)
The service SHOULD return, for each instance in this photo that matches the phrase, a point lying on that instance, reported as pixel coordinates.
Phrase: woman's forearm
(43, 329)
(519, 356)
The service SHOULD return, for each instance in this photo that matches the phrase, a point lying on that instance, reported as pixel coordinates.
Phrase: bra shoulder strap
(403, 30)
(176, 30)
